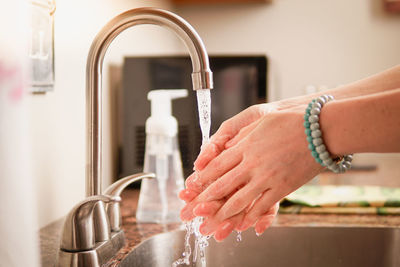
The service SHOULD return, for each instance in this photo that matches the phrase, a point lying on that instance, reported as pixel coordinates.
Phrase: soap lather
(158, 199)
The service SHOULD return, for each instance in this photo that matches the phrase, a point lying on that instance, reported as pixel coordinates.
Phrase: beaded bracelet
(315, 141)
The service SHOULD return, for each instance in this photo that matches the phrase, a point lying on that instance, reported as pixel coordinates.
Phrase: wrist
(362, 124)
(320, 142)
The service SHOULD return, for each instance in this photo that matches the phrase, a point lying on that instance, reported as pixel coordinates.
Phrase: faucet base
(96, 257)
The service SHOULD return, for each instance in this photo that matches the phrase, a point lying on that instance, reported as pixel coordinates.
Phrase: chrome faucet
(92, 230)
(201, 75)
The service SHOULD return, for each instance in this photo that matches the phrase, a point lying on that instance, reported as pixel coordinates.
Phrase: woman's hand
(229, 129)
(261, 164)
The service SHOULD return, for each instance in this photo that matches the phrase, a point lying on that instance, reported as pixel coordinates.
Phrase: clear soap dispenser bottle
(158, 199)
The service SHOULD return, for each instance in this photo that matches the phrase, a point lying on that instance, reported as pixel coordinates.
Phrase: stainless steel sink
(281, 247)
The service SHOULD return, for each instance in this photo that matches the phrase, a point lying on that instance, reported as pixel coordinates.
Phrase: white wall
(58, 118)
(308, 42)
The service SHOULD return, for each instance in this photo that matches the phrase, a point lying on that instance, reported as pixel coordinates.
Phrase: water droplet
(239, 236)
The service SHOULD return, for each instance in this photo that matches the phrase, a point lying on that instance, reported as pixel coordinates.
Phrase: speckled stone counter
(136, 233)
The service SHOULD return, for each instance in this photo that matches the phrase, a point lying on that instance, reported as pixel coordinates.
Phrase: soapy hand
(231, 129)
(244, 174)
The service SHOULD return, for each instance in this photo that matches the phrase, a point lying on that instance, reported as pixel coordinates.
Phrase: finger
(242, 133)
(187, 195)
(191, 183)
(224, 229)
(266, 220)
(228, 184)
(240, 200)
(210, 225)
(216, 168)
(262, 206)
(207, 209)
(213, 225)
(209, 151)
(187, 212)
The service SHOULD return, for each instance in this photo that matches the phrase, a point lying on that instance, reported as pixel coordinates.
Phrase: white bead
(328, 161)
(313, 118)
(347, 164)
(321, 101)
(316, 133)
(314, 126)
(316, 105)
(348, 158)
(333, 167)
(320, 148)
(325, 97)
(315, 111)
(317, 141)
(324, 155)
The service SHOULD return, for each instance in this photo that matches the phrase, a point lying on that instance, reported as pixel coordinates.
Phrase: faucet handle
(78, 233)
(114, 190)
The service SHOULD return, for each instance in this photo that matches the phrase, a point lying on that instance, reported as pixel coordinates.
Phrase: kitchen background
(321, 43)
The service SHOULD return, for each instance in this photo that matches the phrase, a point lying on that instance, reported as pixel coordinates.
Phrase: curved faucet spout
(201, 76)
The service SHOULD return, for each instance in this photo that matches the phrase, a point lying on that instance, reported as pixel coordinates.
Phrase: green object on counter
(343, 200)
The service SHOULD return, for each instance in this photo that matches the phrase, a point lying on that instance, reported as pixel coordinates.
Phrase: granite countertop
(136, 233)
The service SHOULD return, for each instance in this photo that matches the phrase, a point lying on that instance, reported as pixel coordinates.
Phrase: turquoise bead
(308, 132)
(309, 139)
(314, 154)
(306, 116)
(307, 124)
(319, 160)
(311, 147)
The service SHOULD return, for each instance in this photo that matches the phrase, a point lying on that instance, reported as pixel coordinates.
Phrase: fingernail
(199, 209)
(263, 225)
(183, 194)
(194, 185)
(260, 228)
(205, 229)
(187, 195)
(223, 231)
(243, 226)
(186, 214)
(225, 226)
